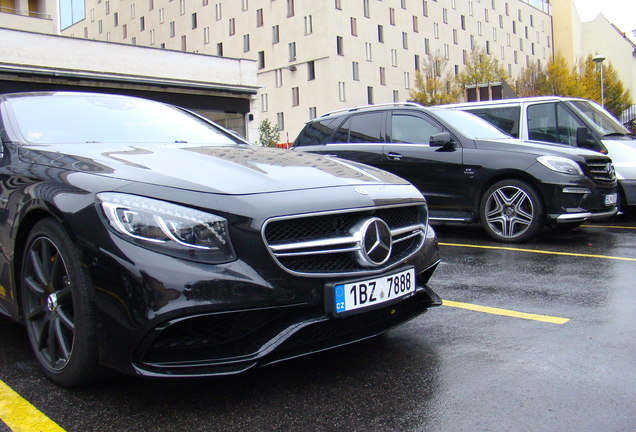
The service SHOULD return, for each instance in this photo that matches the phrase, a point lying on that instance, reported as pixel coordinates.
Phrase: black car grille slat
(598, 168)
(322, 228)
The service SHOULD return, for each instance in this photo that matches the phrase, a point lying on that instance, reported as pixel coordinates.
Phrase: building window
(100, 27)
(183, 43)
(392, 16)
(295, 96)
(427, 47)
(219, 49)
(339, 4)
(290, 8)
(382, 76)
(416, 27)
(368, 51)
(341, 91)
(488, 47)
(370, 95)
(244, 5)
(494, 34)
(107, 7)
(309, 26)
(436, 30)
(455, 36)
(407, 80)
(93, 15)
(502, 53)
(424, 8)
(182, 7)
(232, 25)
(152, 37)
(394, 58)
(501, 23)
(246, 43)
(264, 103)
(462, 21)
(365, 6)
(172, 29)
(405, 40)
(116, 19)
(279, 77)
(446, 51)
(275, 35)
(194, 21)
(217, 10)
(206, 2)
(470, 8)
(479, 28)
(380, 34)
(403, 4)
(464, 56)
(445, 15)
(142, 23)
(356, 71)
(311, 70)
(486, 15)
(520, 44)
(339, 46)
(261, 59)
(162, 16)
(206, 35)
(280, 120)
(312, 113)
(396, 96)
(151, 5)
(417, 62)
(259, 18)
(292, 51)
(108, 36)
(514, 27)
(354, 26)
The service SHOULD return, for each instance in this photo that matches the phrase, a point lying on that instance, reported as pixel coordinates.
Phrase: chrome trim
(572, 217)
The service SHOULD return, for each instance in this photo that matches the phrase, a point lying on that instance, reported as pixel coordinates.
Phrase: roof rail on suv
(362, 107)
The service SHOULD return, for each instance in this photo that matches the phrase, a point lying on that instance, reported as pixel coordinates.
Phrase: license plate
(371, 292)
(610, 199)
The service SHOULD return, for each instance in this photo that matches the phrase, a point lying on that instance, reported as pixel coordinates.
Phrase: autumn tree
(481, 68)
(268, 134)
(434, 85)
(532, 81)
(616, 98)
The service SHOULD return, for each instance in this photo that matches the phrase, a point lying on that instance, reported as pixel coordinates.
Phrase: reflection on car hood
(220, 169)
(538, 148)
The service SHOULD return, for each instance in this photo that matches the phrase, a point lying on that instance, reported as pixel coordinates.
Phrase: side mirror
(581, 137)
(442, 139)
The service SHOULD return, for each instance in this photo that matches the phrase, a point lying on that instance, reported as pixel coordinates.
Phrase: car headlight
(560, 164)
(168, 228)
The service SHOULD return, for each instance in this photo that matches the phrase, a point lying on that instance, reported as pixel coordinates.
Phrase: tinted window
(412, 129)
(505, 118)
(542, 124)
(360, 128)
(316, 132)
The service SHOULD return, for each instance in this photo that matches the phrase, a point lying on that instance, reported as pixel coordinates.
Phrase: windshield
(600, 119)
(470, 125)
(84, 118)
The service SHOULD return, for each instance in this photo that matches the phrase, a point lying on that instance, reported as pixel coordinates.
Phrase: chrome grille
(324, 244)
(599, 169)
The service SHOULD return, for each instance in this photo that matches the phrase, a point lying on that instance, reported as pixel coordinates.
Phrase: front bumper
(628, 188)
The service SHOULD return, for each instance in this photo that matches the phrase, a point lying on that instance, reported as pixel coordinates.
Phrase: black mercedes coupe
(140, 238)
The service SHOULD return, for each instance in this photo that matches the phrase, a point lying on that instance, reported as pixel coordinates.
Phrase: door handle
(394, 156)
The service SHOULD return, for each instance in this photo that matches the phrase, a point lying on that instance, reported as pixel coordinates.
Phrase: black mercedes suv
(469, 170)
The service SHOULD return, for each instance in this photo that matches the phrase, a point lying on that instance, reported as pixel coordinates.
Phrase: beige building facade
(317, 56)
(29, 15)
(575, 40)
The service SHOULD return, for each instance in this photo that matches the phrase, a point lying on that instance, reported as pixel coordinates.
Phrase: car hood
(240, 169)
(537, 148)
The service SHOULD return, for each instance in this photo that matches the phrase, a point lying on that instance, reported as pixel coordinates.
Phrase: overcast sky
(621, 13)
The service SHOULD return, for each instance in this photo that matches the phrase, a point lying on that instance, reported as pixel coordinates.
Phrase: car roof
(510, 101)
(375, 107)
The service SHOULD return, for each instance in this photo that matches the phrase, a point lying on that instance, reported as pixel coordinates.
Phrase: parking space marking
(505, 312)
(607, 226)
(20, 415)
(540, 251)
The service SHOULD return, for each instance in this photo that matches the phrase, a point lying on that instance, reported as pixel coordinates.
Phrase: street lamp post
(599, 59)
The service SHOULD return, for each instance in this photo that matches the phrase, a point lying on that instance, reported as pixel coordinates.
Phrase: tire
(512, 211)
(56, 305)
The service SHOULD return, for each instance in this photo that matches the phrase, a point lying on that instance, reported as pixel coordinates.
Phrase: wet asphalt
(450, 369)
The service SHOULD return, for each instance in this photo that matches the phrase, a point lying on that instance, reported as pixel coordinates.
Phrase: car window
(542, 124)
(469, 125)
(505, 118)
(317, 132)
(406, 128)
(85, 119)
(599, 119)
(360, 128)
(568, 124)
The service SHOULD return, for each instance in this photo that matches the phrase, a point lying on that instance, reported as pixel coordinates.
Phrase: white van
(568, 121)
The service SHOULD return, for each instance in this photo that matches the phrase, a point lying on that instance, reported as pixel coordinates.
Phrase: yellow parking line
(496, 311)
(607, 226)
(21, 416)
(540, 251)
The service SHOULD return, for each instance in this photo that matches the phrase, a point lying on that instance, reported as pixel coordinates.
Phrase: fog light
(573, 190)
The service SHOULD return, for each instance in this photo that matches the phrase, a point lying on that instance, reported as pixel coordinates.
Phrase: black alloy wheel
(56, 307)
(512, 211)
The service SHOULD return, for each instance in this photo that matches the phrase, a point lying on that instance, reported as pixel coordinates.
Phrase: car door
(436, 171)
(360, 138)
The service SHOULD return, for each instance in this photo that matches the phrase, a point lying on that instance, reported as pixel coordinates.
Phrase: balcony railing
(32, 14)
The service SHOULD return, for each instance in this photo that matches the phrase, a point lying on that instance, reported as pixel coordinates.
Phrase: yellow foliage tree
(433, 84)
